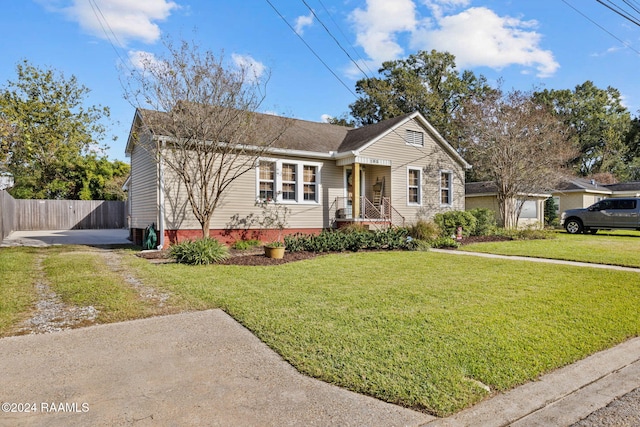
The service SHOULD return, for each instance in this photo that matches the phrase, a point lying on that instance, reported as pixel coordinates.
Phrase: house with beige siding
(389, 173)
(485, 195)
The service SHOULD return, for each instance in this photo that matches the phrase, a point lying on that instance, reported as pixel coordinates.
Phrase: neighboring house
(624, 189)
(485, 195)
(578, 193)
(392, 172)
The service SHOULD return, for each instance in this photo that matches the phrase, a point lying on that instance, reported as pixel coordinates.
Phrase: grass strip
(17, 286)
(612, 248)
(428, 331)
(83, 279)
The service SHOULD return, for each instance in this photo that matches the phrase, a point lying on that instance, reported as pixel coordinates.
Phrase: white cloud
(142, 60)
(127, 20)
(255, 69)
(302, 22)
(378, 25)
(477, 36)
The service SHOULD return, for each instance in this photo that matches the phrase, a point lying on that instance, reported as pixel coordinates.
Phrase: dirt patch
(260, 259)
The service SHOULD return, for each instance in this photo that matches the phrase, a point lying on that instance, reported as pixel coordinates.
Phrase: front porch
(379, 214)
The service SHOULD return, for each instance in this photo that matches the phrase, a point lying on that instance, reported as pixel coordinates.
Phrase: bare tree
(206, 114)
(518, 144)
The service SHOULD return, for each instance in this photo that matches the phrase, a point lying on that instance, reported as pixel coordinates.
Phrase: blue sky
(541, 44)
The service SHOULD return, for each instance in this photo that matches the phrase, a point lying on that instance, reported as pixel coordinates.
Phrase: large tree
(46, 131)
(517, 143)
(428, 82)
(601, 123)
(207, 108)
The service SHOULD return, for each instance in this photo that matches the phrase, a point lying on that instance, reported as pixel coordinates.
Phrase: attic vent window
(414, 138)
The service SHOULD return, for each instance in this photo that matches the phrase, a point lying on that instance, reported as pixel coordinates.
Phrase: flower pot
(276, 252)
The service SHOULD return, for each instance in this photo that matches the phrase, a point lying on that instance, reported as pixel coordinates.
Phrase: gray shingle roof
(624, 186)
(309, 136)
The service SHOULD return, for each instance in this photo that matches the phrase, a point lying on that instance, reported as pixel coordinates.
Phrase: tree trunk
(205, 227)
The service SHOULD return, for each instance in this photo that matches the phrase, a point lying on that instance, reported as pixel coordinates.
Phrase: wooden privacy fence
(7, 217)
(26, 215)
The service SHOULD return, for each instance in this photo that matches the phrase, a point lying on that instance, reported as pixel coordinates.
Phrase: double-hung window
(288, 181)
(266, 180)
(414, 186)
(446, 190)
(310, 183)
(414, 137)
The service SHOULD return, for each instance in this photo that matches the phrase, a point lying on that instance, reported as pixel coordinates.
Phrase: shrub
(243, 245)
(197, 252)
(528, 234)
(485, 221)
(444, 242)
(425, 230)
(450, 221)
(352, 240)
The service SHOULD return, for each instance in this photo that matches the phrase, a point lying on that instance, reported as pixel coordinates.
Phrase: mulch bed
(256, 256)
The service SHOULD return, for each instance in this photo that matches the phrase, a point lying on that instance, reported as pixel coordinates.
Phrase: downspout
(161, 204)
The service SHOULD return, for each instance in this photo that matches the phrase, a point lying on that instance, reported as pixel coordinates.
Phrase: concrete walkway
(204, 368)
(190, 369)
(67, 237)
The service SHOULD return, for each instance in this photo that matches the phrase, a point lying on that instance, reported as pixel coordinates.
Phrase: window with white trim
(288, 181)
(266, 180)
(414, 186)
(414, 137)
(309, 179)
(446, 190)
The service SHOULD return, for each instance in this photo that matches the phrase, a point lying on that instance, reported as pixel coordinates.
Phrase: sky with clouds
(315, 50)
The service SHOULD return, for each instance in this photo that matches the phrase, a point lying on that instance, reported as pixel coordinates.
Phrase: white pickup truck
(607, 214)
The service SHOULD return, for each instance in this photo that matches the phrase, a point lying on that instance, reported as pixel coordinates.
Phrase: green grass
(424, 330)
(83, 279)
(17, 281)
(614, 248)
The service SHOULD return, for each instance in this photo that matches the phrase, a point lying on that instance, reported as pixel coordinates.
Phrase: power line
(620, 11)
(96, 9)
(344, 37)
(627, 45)
(311, 49)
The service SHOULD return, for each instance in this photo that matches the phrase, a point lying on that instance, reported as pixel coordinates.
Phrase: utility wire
(617, 9)
(627, 45)
(345, 38)
(311, 49)
(96, 11)
(334, 39)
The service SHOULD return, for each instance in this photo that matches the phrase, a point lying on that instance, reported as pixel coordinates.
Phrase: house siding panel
(237, 208)
(432, 158)
(143, 187)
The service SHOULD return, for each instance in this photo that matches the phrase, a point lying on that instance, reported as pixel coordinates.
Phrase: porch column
(356, 190)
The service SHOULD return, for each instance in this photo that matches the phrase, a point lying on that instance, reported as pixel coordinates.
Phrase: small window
(267, 171)
(309, 182)
(413, 187)
(446, 197)
(414, 138)
(288, 181)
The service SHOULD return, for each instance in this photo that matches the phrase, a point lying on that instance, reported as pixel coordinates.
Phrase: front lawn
(613, 247)
(425, 330)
